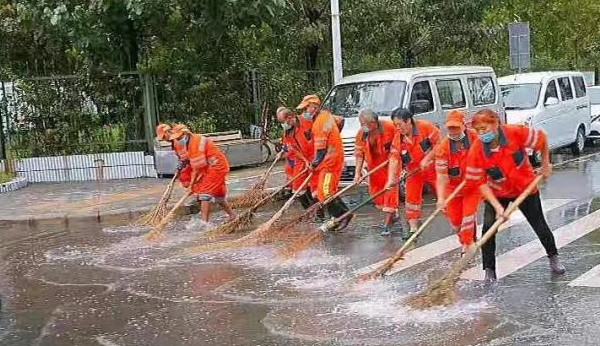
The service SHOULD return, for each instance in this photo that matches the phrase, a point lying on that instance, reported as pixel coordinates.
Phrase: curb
(13, 185)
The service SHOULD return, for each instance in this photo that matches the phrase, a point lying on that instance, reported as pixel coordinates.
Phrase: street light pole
(336, 42)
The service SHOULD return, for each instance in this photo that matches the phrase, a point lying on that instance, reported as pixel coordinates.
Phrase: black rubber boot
(320, 213)
(337, 208)
(490, 277)
(555, 266)
(305, 200)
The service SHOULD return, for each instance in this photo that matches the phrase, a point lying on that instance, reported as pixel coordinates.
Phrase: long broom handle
(274, 193)
(291, 200)
(509, 210)
(372, 197)
(400, 252)
(277, 158)
(170, 186)
(354, 184)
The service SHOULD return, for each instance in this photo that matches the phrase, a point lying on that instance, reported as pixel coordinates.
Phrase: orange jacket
(410, 150)
(451, 157)
(506, 169)
(298, 142)
(202, 154)
(327, 136)
(374, 153)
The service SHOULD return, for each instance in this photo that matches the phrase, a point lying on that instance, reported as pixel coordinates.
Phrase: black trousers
(532, 209)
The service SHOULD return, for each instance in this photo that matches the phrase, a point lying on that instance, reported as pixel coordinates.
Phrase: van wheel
(579, 144)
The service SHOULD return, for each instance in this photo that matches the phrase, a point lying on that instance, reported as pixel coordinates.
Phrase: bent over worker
(450, 168)
(498, 165)
(298, 146)
(372, 146)
(208, 166)
(414, 140)
(328, 160)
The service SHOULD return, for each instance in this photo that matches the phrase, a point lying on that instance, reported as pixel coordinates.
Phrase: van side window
(482, 90)
(451, 94)
(579, 85)
(421, 99)
(551, 91)
(565, 88)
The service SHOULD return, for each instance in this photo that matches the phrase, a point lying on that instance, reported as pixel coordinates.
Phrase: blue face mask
(183, 141)
(487, 137)
(307, 115)
(365, 129)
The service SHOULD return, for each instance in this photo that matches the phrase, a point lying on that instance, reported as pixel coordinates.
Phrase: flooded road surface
(96, 284)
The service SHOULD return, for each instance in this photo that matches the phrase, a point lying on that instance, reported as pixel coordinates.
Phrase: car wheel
(579, 144)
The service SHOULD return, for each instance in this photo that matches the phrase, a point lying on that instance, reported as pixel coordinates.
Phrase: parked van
(430, 92)
(556, 102)
(594, 95)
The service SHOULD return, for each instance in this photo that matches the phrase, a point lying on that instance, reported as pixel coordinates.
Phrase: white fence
(104, 166)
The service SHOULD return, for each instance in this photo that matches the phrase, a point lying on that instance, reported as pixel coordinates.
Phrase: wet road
(104, 285)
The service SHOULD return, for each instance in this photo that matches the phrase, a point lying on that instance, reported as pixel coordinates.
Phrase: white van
(430, 92)
(556, 102)
(594, 95)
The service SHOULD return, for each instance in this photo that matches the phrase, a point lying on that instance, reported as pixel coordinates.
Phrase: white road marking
(589, 279)
(515, 259)
(442, 246)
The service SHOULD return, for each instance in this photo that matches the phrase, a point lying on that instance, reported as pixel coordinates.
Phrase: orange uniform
(506, 169)
(328, 172)
(211, 164)
(300, 150)
(374, 150)
(410, 150)
(451, 159)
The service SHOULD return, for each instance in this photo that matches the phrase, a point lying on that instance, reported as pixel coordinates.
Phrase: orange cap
(455, 118)
(162, 130)
(178, 130)
(485, 116)
(308, 99)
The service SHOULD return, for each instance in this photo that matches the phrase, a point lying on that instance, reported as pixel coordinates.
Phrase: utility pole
(338, 71)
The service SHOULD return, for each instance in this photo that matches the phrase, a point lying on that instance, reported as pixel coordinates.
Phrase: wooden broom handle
(509, 210)
(400, 252)
(354, 184)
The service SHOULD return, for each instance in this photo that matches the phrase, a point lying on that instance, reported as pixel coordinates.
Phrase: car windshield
(520, 96)
(382, 97)
(594, 96)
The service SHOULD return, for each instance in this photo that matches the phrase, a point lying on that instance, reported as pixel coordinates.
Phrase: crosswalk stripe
(444, 245)
(590, 279)
(517, 258)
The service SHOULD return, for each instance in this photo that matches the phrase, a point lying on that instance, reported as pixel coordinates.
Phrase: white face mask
(285, 126)
(457, 137)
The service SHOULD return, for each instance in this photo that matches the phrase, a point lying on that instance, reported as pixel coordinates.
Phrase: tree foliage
(216, 62)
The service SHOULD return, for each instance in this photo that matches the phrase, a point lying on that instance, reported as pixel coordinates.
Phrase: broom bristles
(230, 227)
(248, 199)
(266, 233)
(153, 217)
(303, 242)
(441, 292)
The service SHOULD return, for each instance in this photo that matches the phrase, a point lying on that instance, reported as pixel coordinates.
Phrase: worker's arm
(441, 181)
(489, 196)
(359, 156)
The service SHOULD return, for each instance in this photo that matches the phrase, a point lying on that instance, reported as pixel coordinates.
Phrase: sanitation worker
(413, 141)
(208, 168)
(372, 147)
(297, 140)
(328, 158)
(450, 168)
(498, 166)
